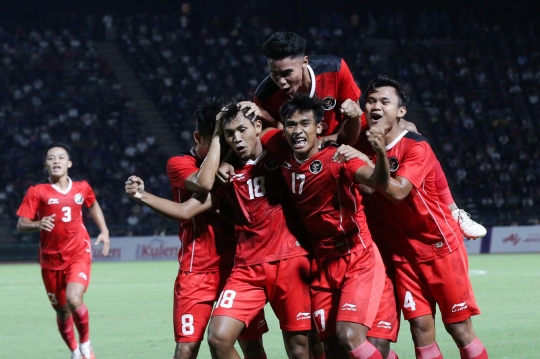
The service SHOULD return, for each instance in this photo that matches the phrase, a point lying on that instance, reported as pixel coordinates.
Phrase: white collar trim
(396, 140)
(70, 184)
(313, 83)
(255, 161)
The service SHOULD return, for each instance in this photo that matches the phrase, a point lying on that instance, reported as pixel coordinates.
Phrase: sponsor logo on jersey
(79, 198)
(458, 307)
(315, 167)
(83, 276)
(238, 176)
(384, 325)
(329, 103)
(53, 201)
(348, 306)
(286, 164)
(271, 164)
(302, 316)
(439, 245)
(394, 164)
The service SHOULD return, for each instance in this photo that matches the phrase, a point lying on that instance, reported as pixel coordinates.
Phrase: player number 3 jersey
(69, 236)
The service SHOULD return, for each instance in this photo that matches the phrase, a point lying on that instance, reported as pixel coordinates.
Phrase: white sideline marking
(477, 272)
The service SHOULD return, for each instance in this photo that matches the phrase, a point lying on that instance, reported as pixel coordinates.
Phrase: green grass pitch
(130, 308)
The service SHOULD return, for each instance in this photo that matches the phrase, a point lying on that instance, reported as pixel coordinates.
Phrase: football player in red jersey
(292, 72)
(208, 243)
(347, 271)
(55, 209)
(270, 264)
(430, 259)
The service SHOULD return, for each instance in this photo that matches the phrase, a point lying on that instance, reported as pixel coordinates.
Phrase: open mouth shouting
(298, 141)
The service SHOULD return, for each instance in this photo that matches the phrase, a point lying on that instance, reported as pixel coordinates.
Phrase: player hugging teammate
(285, 186)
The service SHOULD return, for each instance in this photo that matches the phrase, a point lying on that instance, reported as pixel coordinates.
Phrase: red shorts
(386, 323)
(56, 280)
(283, 283)
(443, 281)
(346, 289)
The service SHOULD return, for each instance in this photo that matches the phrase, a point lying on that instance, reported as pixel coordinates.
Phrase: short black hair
(205, 116)
(284, 44)
(56, 144)
(232, 110)
(302, 103)
(385, 81)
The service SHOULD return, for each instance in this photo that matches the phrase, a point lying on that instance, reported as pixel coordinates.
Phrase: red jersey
(326, 197)
(207, 239)
(264, 225)
(331, 81)
(422, 226)
(69, 236)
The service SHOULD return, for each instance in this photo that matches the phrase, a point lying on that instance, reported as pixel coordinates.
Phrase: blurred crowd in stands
(475, 89)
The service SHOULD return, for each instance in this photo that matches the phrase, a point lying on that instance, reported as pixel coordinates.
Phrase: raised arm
(177, 211)
(203, 180)
(350, 129)
(99, 219)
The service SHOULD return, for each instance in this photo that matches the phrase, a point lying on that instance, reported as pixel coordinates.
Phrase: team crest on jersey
(394, 164)
(315, 167)
(79, 198)
(329, 103)
(271, 164)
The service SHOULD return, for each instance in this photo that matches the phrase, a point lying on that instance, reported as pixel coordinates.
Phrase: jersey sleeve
(347, 86)
(274, 141)
(349, 168)
(30, 204)
(417, 163)
(179, 169)
(363, 124)
(90, 197)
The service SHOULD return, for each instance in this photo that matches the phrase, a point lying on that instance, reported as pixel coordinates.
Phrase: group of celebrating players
(340, 219)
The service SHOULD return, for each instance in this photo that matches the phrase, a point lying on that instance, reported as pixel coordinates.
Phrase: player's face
(301, 131)
(288, 73)
(57, 162)
(383, 107)
(243, 137)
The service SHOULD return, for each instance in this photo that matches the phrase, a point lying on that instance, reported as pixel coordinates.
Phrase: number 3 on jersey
(67, 214)
(256, 187)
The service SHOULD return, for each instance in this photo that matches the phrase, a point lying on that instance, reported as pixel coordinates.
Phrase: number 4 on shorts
(409, 302)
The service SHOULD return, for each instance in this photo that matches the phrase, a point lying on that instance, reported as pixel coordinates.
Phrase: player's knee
(349, 336)
(63, 313)
(382, 345)
(74, 301)
(219, 341)
(297, 345)
(461, 332)
(186, 350)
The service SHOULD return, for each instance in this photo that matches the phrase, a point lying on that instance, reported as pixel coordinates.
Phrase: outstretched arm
(170, 209)
(99, 219)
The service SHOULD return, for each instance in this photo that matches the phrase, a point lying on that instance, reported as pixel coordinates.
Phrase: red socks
(431, 351)
(475, 350)
(80, 318)
(66, 331)
(366, 350)
(392, 355)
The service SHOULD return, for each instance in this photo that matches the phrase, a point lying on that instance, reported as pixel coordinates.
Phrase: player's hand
(225, 172)
(218, 129)
(104, 237)
(375, 136)
(47, 223)
(409, 126)
(344, 153)
(135, 187)
(350, 109)
(253, 108)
